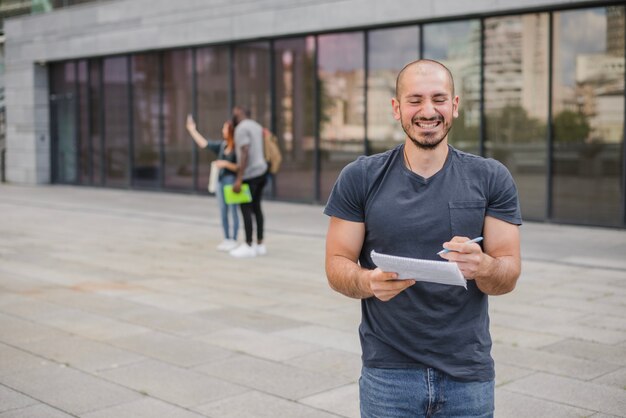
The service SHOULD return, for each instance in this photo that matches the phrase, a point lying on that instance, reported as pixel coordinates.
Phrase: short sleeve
(347, 198)
(242, 135)
(503, 198)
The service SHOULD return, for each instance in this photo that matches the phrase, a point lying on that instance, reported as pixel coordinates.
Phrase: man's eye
(439, 100)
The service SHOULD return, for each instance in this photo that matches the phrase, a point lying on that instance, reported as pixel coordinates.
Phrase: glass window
(588, 115)
(84, 138)
(177, 102)
(389, 50)
(63, 114)
(457, 46)
(213, 89)
(116, 120)
(95, 119)
(146, 119)
(516, 103)
(295, 118)
(342, 107)
(252, 80)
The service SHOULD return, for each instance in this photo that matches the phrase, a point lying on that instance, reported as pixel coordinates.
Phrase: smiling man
(426, 346)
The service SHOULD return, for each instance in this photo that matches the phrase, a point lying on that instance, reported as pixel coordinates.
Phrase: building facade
(98, 94)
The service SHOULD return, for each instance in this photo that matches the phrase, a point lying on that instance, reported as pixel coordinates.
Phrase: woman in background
(227, 163)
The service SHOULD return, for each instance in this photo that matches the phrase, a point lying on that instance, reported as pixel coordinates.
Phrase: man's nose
(428, 109)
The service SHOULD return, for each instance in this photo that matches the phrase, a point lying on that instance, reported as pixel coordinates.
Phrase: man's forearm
(498, 275)
(347, 277)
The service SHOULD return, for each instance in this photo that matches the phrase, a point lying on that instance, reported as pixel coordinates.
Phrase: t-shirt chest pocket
(467, 217)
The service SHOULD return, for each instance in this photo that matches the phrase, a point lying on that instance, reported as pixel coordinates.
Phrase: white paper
(443, 272)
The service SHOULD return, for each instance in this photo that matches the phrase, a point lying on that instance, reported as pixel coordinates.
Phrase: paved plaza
(115, 303)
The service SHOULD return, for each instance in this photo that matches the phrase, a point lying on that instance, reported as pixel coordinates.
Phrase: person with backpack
(252, 170)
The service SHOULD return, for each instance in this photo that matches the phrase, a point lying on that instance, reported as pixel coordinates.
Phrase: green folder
(232, 198)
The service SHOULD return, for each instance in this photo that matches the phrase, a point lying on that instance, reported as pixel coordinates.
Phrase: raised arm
(193, 131)
(343, 245)
(497, 269)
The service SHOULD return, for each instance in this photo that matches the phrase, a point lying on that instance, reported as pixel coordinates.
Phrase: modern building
(97, 94)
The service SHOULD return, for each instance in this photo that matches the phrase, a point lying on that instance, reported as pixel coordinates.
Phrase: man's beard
(427, 145)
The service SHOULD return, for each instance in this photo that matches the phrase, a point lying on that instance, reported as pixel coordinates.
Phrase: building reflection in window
(84, 139)
(457, 46)
(252, 80)
(177, 102)
(588, 115)
(389, 51)
(213, 87)
(116, 121)
(63, 113)
(516, 103)
(341, 78)
(96, 119)
(146, 119)
(294, 61)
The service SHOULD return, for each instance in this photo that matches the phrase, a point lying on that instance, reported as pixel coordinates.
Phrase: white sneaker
(243, 251)
(260, 249)
(227, 245)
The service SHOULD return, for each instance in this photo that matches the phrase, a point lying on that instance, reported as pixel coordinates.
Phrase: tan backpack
(272, 152)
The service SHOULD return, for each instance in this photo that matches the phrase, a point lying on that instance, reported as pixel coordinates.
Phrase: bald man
(426, 346)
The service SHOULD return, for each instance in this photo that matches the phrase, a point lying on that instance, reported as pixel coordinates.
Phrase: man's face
(425, 106)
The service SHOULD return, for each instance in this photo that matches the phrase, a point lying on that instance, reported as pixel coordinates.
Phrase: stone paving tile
(615, 354)
(584, 395)
(90, 325)
(609, 322)
(174, 303)
(250, 319)
(515, 405)
(343, 401)
(260, 405)
(616, 379)
(506, 373)
(35, 411)
(175, 350)
(275, 378)
(498, 304)
(170, 322)
(143, 408)
(258, 344)
(17, 360)
(10, 399)
(81, 353)
(67, 389)
(521, 338)
(330, 361)
(589, 306)
(15, 330)
(173, 384)
(551, 363)
(347, 341)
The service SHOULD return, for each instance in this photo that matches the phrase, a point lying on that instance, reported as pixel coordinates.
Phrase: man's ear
(395, 105)
(455, 107)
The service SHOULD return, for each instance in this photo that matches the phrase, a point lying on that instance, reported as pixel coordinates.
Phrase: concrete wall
(111, 27)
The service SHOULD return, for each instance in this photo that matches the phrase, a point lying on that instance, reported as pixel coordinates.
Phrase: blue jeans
(224, 209)
(425, 392)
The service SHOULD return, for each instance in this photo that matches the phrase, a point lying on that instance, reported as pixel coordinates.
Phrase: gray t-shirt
(433, 325)
(249, 132)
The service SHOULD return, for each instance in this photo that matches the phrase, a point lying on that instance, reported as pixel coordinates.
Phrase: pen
(445, 250)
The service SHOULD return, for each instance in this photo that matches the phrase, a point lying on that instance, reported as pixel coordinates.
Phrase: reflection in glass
(95, 119)
(63, 114)
(341, 79)
(146, 130)
(588, 115)
(389, 51)
(83, 123)
(457, 46)
(295, 117)
(116, 134)
(252, 80)
(213, 75)
(516, 103)
(178, 149)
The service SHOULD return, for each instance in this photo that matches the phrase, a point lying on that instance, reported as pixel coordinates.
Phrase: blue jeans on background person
(422, 392)
(225, 208)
